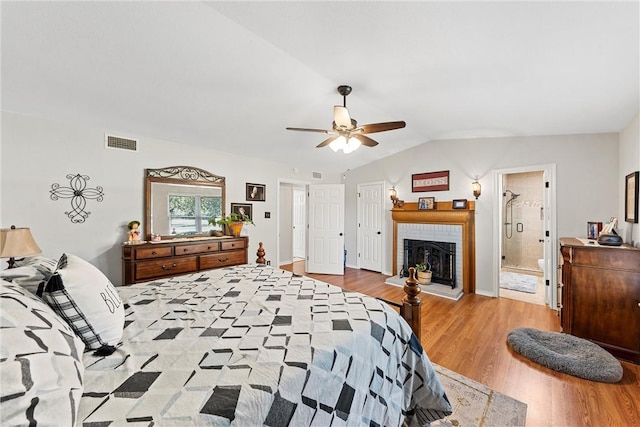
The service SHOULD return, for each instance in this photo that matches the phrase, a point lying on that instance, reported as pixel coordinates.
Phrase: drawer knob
(154, 253)
(171, 267)
(223, 259)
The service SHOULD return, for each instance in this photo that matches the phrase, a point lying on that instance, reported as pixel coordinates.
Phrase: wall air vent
(317, 175)
(120, 143)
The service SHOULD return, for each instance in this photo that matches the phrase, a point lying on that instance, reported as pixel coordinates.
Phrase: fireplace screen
(440, 255)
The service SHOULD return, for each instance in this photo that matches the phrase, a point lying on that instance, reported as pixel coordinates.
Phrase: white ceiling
(232, 75)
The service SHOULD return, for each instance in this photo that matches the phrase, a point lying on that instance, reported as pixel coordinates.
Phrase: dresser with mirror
(179, 201)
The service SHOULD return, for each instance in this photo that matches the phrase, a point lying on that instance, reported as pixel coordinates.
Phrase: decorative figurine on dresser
(601, 295)
(134, 231)
(191, 247)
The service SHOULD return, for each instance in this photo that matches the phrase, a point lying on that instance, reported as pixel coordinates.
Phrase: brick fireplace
(443, 224)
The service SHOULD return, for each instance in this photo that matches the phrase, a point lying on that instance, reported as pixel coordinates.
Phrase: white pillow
(40, 362)
(83, 296)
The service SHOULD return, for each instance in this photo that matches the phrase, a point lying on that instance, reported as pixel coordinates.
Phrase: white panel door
(299, 222)
(370, 226)
(325, 254)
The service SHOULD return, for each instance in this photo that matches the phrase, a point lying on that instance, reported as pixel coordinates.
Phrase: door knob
(341, 234)
(378, 232)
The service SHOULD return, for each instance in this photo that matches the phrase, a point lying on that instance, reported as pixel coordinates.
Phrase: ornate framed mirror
(179, 200)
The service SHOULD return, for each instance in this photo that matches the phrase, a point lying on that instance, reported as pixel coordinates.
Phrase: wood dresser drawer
(197, 249)
(165, 267)
(147, 261)
(232, 245)
(153, 252)
(222, 259)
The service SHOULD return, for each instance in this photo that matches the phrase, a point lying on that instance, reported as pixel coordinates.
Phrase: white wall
(37, 153)
(587, 183)
(629, 162)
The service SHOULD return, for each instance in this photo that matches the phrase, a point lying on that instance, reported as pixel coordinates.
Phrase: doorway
(524, 232)
(292, 208)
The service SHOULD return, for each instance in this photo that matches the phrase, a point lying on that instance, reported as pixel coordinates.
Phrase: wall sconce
(394, 198)
(477, 188)
(17, 242)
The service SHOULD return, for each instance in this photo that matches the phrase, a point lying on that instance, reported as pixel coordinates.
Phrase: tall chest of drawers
(601, 295)
(148, 261)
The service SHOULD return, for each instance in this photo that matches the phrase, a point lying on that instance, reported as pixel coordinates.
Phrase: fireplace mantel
(443, 214)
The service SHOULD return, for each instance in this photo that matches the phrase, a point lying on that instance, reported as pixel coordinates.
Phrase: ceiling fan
(345, 133)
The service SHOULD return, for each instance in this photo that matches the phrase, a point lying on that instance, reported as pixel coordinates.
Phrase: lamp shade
(17, 242)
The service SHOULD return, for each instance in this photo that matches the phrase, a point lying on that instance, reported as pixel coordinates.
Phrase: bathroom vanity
(601, 295)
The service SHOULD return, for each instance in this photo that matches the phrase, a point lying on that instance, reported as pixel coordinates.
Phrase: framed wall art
(426, 203)
(430, 181)
(459, 204)
(631, 197)
(243, 209)
(256, 192)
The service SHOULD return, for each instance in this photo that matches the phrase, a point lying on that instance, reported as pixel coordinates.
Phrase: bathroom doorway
(522, 254)
(524, 235)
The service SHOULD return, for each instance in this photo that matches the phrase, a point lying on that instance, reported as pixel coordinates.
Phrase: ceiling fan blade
(365, 140)
(382, 127)
(327, 141)
(311, 130)
(341, 117)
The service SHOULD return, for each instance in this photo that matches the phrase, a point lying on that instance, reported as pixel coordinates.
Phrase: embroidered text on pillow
(62, 303)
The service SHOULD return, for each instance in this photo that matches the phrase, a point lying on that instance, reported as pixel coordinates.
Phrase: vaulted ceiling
(232, 75)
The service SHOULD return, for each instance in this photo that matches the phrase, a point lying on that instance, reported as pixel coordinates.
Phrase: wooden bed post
(410, 309)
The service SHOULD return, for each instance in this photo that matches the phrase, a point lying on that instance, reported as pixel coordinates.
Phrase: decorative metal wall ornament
(187, 173)
(78, 192)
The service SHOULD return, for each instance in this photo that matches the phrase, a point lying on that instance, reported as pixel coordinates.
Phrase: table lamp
(17, 242)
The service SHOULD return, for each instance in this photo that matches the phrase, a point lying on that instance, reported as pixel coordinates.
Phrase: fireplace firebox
(440, 255)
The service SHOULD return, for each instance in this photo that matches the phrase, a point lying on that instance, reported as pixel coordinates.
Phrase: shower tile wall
(524, 248)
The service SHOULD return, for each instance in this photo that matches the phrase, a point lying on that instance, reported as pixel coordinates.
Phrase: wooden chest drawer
(154, 252)
(222, 259)
(197, 249)
(165, 267)
(149, 261)
(232, 244)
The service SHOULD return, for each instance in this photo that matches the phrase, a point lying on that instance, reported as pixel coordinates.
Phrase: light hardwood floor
(469, 336)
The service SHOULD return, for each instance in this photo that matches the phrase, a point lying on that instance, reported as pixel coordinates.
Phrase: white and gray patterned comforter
(253, 345)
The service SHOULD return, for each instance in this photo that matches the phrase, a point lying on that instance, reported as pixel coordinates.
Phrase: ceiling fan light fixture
(338, 144)
(346, 134)
(352, 145)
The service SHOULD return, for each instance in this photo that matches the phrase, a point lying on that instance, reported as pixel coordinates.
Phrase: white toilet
(541, 264)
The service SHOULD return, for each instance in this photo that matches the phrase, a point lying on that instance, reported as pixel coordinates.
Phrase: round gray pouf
(566, 353)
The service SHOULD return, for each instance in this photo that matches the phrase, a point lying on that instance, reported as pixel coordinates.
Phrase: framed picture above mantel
(430, 181)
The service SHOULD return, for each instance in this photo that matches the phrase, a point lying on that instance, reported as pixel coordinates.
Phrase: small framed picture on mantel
(426, 203)
(459, 204)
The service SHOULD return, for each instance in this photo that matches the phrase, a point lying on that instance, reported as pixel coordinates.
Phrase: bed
(239, 346)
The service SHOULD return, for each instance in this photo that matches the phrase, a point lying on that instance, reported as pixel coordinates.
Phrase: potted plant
(234, 222)
(424, 273)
